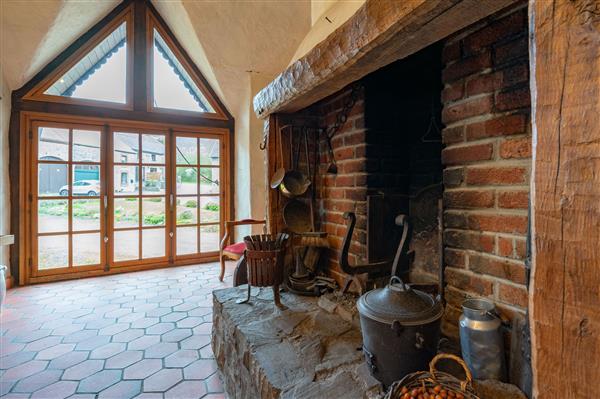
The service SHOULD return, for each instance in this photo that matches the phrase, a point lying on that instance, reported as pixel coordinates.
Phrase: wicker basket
(426, 380)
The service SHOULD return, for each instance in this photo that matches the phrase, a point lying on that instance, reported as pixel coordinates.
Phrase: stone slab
(302, 352)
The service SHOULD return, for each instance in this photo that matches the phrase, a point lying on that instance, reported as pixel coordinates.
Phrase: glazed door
(67, 189)
(105, 197)
(138, 197)
(198, 194)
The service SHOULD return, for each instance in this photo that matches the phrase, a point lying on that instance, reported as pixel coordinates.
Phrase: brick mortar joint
(485, 140)
(488, 116)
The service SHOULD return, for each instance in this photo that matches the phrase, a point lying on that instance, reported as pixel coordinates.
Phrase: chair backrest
(231, 224)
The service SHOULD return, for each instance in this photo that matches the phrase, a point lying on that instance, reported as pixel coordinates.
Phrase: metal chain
(342, 116)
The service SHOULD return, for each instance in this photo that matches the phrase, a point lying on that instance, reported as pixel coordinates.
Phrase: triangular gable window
(106, 69)
(173, 87)
(101, 74)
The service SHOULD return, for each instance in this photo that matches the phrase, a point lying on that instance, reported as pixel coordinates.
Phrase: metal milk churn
(481, 340)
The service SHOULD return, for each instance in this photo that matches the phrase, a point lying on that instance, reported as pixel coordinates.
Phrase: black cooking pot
(400, 329)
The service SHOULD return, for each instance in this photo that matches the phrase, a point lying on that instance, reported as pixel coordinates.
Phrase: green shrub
(212, 206)
(185, 217)
(154, 219)
(191, 204)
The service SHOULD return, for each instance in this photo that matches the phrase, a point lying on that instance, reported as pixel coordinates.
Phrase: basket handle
(469, 377)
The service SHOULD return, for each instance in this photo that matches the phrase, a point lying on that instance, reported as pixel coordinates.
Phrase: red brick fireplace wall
(487, 159)
(486, 166)
(345, 191)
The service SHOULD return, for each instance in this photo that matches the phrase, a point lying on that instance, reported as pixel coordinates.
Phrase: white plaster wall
(243, 184)
(4, 181)
(257, 156)
(327, 16)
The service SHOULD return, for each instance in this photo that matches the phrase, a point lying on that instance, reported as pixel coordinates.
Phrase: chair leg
(222, 258)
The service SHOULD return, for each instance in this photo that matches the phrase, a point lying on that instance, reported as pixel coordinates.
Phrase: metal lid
(399, 302)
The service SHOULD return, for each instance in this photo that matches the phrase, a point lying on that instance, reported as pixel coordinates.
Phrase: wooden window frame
(27, 272)
(152, 24)
(39, 92)
(28, 106)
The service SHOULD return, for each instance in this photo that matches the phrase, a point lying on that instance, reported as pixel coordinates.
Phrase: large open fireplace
(440, 137)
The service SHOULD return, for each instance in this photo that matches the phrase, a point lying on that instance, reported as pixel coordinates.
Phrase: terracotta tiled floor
(142, 335)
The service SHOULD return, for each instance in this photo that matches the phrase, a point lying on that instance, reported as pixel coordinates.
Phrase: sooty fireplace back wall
(387, 152)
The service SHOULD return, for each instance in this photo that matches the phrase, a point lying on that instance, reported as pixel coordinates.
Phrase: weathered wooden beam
(565, 303)
(379, 33)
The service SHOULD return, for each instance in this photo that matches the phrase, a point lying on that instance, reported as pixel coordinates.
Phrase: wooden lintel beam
(379, 33)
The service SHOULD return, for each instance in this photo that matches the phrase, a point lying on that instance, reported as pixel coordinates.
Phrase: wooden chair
(234, 251)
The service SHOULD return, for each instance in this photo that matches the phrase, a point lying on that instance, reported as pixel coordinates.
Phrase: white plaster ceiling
(227, 39)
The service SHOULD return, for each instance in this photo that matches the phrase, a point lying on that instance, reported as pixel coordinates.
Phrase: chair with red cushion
(234, 251)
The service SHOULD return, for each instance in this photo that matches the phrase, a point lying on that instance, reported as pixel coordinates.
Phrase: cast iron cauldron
(400, 329)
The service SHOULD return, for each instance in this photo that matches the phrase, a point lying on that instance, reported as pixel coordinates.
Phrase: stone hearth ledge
(302, 352)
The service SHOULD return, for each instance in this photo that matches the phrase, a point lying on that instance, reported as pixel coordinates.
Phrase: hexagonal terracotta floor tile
(162, 380)
(128, 335)
(37, 381)
(142, 369)
(160, 328)
(93, 343)
(99, 381)
(83, 370)
(24, 370)
(176, 335)
(187, 389)
(68, 359)
(181, 358)
(195, 342)
(123, 359)
(108, 350)
(122, 390)
(54, 351)
(58, 390)
(200, 369)
(143, 342)
(160, 350)
(111, 337)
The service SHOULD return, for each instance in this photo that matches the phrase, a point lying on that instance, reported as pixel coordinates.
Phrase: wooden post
(565, 299)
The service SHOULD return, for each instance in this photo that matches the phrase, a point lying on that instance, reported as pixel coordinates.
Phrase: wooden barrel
(264, 267)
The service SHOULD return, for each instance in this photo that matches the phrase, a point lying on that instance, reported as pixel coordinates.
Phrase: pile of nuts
(437, 392)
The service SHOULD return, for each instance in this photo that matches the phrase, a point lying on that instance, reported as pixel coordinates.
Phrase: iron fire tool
(375, 269)
(304, 281)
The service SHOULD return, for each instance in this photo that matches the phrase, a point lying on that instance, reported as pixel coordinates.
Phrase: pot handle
(370, 358)
(397, 327)
(398, 280)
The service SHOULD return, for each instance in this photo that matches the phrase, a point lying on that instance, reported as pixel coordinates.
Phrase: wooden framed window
(99, 73)
(173, 83)
(99, 183)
